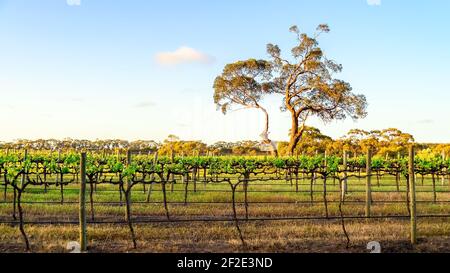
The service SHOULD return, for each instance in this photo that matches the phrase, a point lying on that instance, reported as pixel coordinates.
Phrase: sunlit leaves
(242, 83)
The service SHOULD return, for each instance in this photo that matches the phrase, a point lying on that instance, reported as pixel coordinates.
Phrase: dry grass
(284, 236)
(267, 236)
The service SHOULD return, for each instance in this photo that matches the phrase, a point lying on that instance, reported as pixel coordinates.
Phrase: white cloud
(144, 104)
(73, 2)
(374, 2)
(425, 121)
(183, 55)
(77, 99)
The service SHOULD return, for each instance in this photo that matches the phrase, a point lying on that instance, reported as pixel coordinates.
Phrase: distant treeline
(389, 142)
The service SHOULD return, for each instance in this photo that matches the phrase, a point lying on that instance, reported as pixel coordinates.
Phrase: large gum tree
(244, 84)
(308, 86)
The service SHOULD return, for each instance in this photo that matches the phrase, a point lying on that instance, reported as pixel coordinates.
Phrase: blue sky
(144, 69)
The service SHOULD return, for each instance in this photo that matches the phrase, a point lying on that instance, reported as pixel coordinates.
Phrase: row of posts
(411, 181)
(411, 193)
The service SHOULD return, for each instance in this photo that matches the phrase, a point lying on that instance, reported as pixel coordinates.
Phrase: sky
(140, 69)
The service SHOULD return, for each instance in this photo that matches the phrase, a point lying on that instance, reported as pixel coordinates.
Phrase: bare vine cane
(131, 180)
(185, 180)
(92, 180)
(245, 183)
(311, 188)
(235, 218)
(152, 177)
(21, 221)
(325, 176)
(344, 181)
(164, 192)
(5, 189)
(341, 213)
(325, 200)
(19, 188)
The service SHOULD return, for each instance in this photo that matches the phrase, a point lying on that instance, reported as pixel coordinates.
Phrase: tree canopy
(306, 81)
(244, 83)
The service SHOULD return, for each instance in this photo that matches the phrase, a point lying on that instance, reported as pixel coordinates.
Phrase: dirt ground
(276, 237)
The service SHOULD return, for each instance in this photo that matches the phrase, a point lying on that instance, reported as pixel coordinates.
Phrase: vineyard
(130, 190)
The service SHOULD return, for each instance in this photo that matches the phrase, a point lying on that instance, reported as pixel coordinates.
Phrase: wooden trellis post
(129, 182)
(128, 178)
(82, 207)
(344, 181)
(443, 175)
(25, 155)
(368, 181)
(412, 195)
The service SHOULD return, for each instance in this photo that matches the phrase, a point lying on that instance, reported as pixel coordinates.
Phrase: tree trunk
(265, 134)
(127, 194)
(295, 134)
(163, 188)
(21, 224)
(235, 218)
